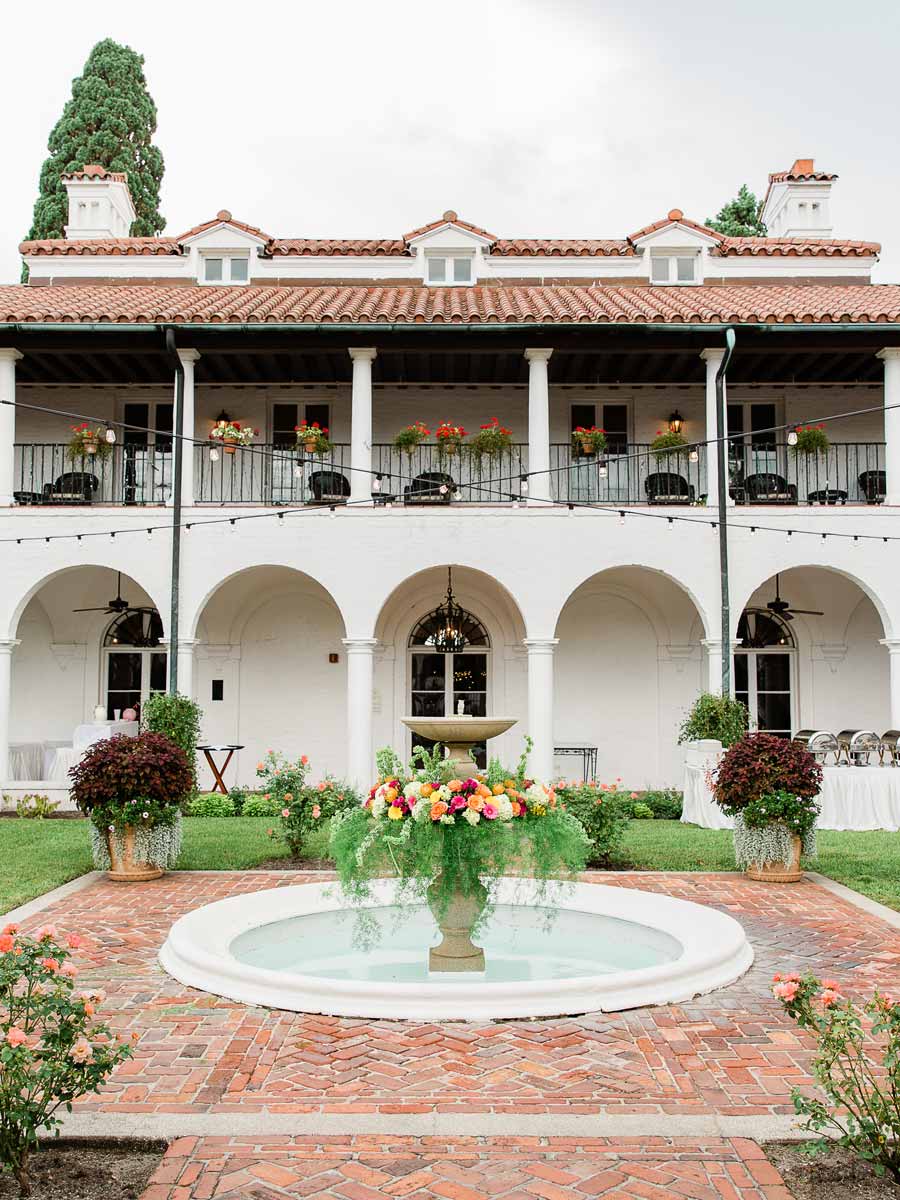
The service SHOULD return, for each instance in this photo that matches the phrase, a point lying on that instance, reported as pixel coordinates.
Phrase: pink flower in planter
(16, 1036)
(489, 811)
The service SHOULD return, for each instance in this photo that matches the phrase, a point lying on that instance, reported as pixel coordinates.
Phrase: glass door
(763, 681)
(131, 675)
(441, 682)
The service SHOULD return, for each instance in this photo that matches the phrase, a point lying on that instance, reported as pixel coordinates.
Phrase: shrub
(312, 807)
(178, 719)
(117, 774)
(35, 806)
(641, 811)
(262, 806)
(761, 764)
(212, 804)
(238, 795)
(604, 812)
(862, 1105)
(666, 805)
(716, 717)
(53, 1051)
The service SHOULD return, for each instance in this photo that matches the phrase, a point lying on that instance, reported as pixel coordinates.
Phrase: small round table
(218, 772)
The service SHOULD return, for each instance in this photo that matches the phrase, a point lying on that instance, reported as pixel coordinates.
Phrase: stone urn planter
(777, 872)
(122, 865)
(457, 952)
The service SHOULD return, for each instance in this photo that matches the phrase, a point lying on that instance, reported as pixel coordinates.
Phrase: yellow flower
(497, 789)
(394, 812)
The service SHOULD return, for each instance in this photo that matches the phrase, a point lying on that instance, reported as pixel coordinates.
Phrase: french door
(764, 681)
(131, 675)
(440, 682)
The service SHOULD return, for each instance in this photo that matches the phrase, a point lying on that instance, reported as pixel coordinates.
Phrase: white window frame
(227, 257)
(450, 258)
(752, 653)
(671, 257)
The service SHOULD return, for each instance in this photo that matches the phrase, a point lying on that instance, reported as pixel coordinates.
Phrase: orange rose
(498, 789)
(426, 789)
(390, 794)
(476, 803)
(509, 784)
(484, 791)
(517, 808)
(438, 809)
(454, 785)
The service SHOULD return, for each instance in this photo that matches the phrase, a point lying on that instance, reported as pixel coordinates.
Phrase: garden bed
(838, 1173)
(89, 1170)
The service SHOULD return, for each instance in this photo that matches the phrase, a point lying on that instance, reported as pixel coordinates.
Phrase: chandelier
(448, 623)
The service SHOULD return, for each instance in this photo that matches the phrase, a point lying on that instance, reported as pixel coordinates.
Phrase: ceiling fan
(118, 605)
(782, 609)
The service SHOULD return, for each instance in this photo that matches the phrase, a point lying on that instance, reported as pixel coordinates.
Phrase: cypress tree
(739, 217)
(110, 120)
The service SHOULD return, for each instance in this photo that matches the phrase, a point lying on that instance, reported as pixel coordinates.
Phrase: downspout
(721, 458)
(176, 510)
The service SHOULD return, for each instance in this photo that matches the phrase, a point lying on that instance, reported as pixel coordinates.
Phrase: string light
(213, 454)
(110, 435)
(792, 437)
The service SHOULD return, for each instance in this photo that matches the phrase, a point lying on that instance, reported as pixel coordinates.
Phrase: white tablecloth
(96, 731)
(851, 798)
(57, 762)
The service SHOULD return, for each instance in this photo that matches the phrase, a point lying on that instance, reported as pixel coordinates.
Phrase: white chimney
(100, 204)
(798, 202)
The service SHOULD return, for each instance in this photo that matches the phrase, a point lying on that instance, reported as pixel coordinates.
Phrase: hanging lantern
(676, 420)
(449, 637)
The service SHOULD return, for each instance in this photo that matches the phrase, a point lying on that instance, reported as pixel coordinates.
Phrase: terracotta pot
(125, 869)
(89, 447)
(456, 951)
(777, 872)
(587, 447)
(309, 447)
(229, 446)
(451, 447)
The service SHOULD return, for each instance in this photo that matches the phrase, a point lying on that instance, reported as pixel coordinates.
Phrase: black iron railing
(471, 479)
(268, 474)
(47, 473)
(628, 474)
(846, 473)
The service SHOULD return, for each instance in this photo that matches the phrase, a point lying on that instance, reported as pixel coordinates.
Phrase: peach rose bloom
(454, 785)
(498, 789)
(426, 789)
(476, 803)
(438, 809)
(390, 794)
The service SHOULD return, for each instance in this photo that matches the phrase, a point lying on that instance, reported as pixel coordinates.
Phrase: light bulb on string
(213, 454)
(621, 516)
(110, 435)
(792, 438)
(693, 456)
(376, 484)
(523, 485)
(602, 470)
(298, 470)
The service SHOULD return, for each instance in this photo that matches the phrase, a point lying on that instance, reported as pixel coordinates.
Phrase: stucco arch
(16, 603)
(742, 593)
(280, 577)
(476, 590)
(605, 580)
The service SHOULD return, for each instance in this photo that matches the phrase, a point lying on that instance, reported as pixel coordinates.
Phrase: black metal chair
(668, 487)
(72, 487)
(328, 487)
(431, 487)
(873, 485)
(766, 487)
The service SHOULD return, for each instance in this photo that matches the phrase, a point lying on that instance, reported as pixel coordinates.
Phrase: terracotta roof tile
(127, 245)
(422, 305)
(224, 216)
(563, 247)
(451, 218)
(301, 247)
(95, 171)
(804, 247)
(675, 217)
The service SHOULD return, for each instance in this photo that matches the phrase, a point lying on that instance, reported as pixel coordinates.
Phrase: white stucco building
(595, 600)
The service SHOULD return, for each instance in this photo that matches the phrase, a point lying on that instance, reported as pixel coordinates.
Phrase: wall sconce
(222, 419)
(676, 420)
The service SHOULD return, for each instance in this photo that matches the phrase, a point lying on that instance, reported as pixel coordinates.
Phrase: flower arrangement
(449, 437)
(666, 442)
(52, 1047)
(769, 786)
(862, 1106)
(492, 438)
(232, 434)
(88, 441)
(442, 835)
(313, 438)
(811, 439)
(410, 437)
(590, 439)
(131, 789)
(603, 810)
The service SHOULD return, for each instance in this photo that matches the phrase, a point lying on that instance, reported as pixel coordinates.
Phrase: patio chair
(328, 487)
(426, 489)
(873, 485)
(72, 487)
(766, 487)
(668, 487)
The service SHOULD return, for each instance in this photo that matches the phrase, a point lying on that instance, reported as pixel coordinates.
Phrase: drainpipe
(721, 456)
(176, 509)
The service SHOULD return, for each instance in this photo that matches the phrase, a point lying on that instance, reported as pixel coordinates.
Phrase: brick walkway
(732, 1053)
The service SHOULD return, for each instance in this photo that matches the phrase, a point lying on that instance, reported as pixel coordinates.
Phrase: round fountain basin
(583, 948)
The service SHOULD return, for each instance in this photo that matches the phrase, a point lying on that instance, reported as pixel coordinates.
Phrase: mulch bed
(89, 1170)
(835, 1174)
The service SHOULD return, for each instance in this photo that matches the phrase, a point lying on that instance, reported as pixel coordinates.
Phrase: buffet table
(851, 798)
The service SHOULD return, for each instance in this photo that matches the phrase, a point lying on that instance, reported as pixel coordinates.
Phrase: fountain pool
(584, 947)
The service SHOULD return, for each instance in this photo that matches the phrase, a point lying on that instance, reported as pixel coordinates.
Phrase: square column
(360, 679)
(361, 424)
(891, 360)
(540, 706)
(713, 359)
(540, 486)
(7, 645)
(188, 358)
(8, 360)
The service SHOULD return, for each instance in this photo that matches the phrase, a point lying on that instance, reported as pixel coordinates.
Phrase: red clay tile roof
(423, 305)
(95, 171)
(803, 170)
(127, 245)
(675, 217)
(803, 247)
(449, 217)
(223, 216)
(302, 247)
(568, 247)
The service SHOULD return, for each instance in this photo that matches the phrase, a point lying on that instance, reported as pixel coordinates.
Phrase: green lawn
(38, 855)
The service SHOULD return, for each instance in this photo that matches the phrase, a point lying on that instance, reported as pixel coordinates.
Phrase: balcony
(46, 473)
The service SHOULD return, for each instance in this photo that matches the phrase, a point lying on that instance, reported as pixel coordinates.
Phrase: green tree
(739, 217)
(110, 120)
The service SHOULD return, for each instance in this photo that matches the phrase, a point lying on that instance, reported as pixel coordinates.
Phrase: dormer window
(680, 267)
(448, 269)
(226, 268)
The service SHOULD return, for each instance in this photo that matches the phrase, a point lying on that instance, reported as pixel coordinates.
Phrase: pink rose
(74, 942)
(285, 812)
(46, 933)
(489, 811)
(304, 759)
(785, 991)
(6, 942)
(81, 1051)
(830, 997)
(16, 1036)
(69, 970)
(12, 927)
(50, 964)
(316, 812)
(321, 786)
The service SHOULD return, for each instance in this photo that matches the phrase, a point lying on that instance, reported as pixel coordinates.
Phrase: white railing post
(8, 360)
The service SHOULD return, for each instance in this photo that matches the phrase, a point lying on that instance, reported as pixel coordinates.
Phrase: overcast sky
(529, 117)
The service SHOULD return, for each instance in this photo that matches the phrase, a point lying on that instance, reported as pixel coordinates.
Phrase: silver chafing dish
(857, 746)
(819, 742)
(890, 746)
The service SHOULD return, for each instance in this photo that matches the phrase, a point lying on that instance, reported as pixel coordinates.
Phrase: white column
(893, 649)
(540, 706)
(891, 359)
(188, 358)
(8, 359)
(7, 645)
(540, 487)
(713, 358)
(713, 647)
(361, 423)
(186, 666)
(360, 676)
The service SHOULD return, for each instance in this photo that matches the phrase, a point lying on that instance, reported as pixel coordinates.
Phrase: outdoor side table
(218, 772)
(587, 753)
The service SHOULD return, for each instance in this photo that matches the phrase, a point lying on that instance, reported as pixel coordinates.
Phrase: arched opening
(765, 671)
(134, 665)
